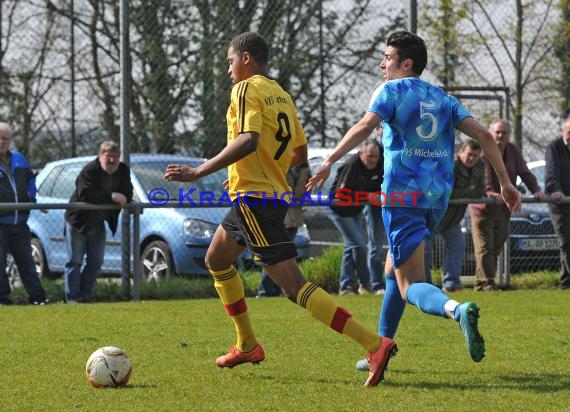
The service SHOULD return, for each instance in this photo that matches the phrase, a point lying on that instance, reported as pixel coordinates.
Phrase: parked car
(172, 240)
(533, 241)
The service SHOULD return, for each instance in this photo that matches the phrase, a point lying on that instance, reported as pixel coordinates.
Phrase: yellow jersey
(260, 105)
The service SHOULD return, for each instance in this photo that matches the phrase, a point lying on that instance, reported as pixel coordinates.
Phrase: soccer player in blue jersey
(419, 120)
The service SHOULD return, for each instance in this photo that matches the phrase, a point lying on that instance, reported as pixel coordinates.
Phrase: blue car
(172, 240)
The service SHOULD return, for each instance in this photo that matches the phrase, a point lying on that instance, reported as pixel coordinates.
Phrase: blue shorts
(406, 228)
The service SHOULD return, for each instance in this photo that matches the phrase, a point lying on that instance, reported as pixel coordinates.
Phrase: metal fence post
(125, 249)
(125, 135)
(136, 253)
(413, 16)
(507, 265)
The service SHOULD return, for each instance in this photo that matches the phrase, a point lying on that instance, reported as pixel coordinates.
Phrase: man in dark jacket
(104, 180)
(17, 185)
(360, 173)
(557, 185)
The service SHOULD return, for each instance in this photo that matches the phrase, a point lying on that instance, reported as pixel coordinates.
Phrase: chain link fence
(60, 67)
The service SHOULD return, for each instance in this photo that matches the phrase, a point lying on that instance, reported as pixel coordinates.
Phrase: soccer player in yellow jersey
(265, 138)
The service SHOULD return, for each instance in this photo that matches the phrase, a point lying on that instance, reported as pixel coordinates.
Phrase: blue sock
(428, 298)
(392, 308)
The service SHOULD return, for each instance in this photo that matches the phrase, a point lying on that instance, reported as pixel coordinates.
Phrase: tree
(515, 50)
(290, 27)
(325, 53)
(180, 87)
(24, 86)
(442, 26)
(561, 49)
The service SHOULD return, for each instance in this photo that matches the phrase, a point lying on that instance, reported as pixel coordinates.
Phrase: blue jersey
(418, 121)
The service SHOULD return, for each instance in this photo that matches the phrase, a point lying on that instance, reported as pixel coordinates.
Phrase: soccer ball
(108, 367)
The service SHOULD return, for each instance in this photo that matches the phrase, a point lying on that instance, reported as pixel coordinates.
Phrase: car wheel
(156, 261)
(39, 258)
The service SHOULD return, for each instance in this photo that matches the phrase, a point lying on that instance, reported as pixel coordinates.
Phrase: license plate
(538, 244)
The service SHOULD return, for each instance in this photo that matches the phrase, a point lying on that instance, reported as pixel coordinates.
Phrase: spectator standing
(467, 183)
(375, 231)
(557, 185)
(297, 178)
(490, 222)
(104, 180)
(17, 185)
(362, 172)
(375, 247)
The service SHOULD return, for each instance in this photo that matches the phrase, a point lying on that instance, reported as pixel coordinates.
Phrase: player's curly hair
(254, 44)
(410, 46)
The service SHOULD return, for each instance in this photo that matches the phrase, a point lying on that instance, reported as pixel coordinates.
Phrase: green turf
(173, 345)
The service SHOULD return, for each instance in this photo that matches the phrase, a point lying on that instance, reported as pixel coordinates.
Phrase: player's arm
(299, 155)
(239, 148)
(473, 129)
(355, 135)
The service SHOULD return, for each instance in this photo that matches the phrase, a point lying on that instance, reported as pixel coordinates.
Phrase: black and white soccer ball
(108, 366)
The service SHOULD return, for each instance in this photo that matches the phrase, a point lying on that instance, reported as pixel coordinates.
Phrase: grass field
(173, 345)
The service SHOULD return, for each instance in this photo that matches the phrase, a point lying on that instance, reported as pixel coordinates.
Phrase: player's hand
(497, 197)
(512, 198)
(556, 197)
(540, 196)
(319, 178)
(180, 173)
(119, 198)
(226, 185)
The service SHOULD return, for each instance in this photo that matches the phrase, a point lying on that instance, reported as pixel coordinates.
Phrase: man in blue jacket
(17, 185)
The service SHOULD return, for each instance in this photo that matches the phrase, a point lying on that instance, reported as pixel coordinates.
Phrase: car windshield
(538, 170)
(150, 176)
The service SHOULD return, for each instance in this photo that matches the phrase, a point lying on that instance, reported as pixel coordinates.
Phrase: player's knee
(214, 265)
(208, 262)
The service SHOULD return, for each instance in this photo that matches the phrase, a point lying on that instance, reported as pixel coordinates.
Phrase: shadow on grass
(138, 386)
(129, 386)
(536, 382)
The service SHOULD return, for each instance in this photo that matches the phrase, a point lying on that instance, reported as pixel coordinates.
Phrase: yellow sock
(229, 286)
(324, 308)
